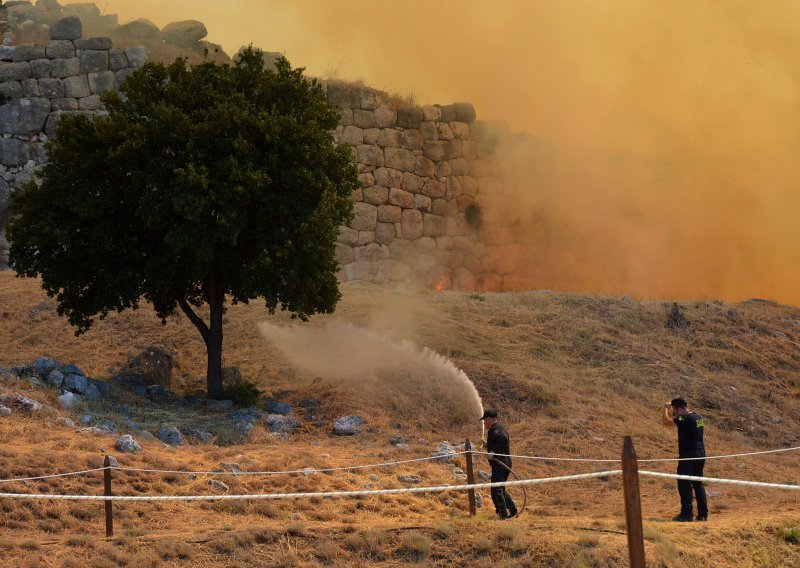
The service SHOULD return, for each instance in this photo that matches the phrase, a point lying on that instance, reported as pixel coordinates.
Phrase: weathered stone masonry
(421, 215)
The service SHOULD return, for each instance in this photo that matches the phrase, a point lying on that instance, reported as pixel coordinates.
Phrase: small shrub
(171, 550)
(791, 535)
(240, 391)
(296, 529)
(415, 544)
(444, 530)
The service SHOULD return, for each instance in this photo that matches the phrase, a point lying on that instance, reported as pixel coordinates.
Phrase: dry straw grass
(571, 375)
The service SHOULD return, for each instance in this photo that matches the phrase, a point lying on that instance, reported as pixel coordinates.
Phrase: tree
(202, 184)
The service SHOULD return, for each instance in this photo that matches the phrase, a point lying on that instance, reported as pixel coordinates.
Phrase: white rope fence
(651, 460)
(307, 470)
(314, 470)
(720, 480)
(357, 493)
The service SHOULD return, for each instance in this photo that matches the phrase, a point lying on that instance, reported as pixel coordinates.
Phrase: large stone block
(400, 159)
(412, 139)
(24, 116)
(460, 130)
(389, 214)
(51, 88)
(385, 116)
(388, 177)
(409, 117)
(434, 188)
(101, 82)
(123, 74)
(412, 224)
(60, 49)
(411, 182)
(364, 217)
(11, 90)
(30, 88)
(14, 152)
(463, 280)
(137, 56)
(425, 245)
(63, 103)
(390, 137)
(490, 283)
(28, 52)
(352, 135)
(373, 251)
(448, 113)
(431, 113)
(185, 33)
(369, 155)
(437, 151)
(344, 95)
(423, 203)
(364, 270)
(364, 118)
(376, 195)
(371, 135)
(67, 28)
(117, 60)
(445, 132)
(77, 87)
(401, 198)
(465, 112)
(94, 43)
(6, 52)
(429, 131)
(433, 225)
(15, 71)
(91, 102)
(348, 236)
(404, 250)
(63, 68)
(344, 253)
(40, 68)
(424, 167)
(384, 233)
(142, 28)
(94, 61)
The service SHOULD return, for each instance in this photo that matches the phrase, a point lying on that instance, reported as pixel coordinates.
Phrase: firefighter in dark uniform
(498, 447)
(690, 427)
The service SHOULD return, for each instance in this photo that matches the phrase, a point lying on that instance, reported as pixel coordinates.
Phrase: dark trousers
(503, 503)
(695, 468)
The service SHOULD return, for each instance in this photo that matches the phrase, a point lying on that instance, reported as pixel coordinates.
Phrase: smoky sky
(667, 133)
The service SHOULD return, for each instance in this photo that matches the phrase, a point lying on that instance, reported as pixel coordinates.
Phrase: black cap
(489, 414)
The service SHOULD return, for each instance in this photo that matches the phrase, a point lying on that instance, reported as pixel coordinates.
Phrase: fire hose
(521, 509)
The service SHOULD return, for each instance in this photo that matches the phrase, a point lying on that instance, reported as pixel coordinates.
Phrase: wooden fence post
(470, 478)
(107, 492)
(633, 504)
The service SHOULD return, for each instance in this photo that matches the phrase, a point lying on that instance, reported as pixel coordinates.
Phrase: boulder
(153, 365)
(279, 423)
(141, 28)
(127, 444)
(199, 434)
(218, 485)
(69, 400)
(169, 434)
(275, 407)
(4, 410)
(347, 425)
(444, 452)
(75, 383)
(185, 33)
(410, 479)
(27, 404)
(67, 28)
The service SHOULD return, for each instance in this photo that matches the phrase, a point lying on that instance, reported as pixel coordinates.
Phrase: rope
(54, 475)
(720, 480)
(545, 458)
(308, 470)
(365, 492)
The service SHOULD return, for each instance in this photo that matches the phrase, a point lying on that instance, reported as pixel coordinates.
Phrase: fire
(442, 284)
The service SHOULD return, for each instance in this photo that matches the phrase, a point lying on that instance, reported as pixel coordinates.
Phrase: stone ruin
(430, 174)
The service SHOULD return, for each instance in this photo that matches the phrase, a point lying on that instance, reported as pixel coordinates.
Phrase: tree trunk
(216, 302)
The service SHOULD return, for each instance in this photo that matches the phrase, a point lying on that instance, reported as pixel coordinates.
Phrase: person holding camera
(692, 452)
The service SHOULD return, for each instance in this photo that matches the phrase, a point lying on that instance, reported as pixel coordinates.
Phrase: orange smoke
(664, 162)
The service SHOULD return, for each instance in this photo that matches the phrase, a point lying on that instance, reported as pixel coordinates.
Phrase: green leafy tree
(203, 184)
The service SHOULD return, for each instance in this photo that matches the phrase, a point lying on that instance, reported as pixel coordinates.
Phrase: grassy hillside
(571, 374)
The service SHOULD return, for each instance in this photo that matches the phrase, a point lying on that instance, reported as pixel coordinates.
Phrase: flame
(442, 284)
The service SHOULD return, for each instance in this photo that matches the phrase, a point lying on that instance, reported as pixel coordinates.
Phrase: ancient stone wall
(428, 173)
(425, 180)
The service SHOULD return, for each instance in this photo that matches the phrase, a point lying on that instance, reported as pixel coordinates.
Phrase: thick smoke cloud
(667, 133)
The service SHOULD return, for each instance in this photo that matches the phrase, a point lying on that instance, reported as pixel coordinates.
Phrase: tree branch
(194, 318)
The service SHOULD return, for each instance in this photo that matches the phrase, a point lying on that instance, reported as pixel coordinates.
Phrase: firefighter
(497, 445)
(690, 427)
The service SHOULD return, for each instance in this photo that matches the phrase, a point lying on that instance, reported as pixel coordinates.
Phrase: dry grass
(572, 374)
